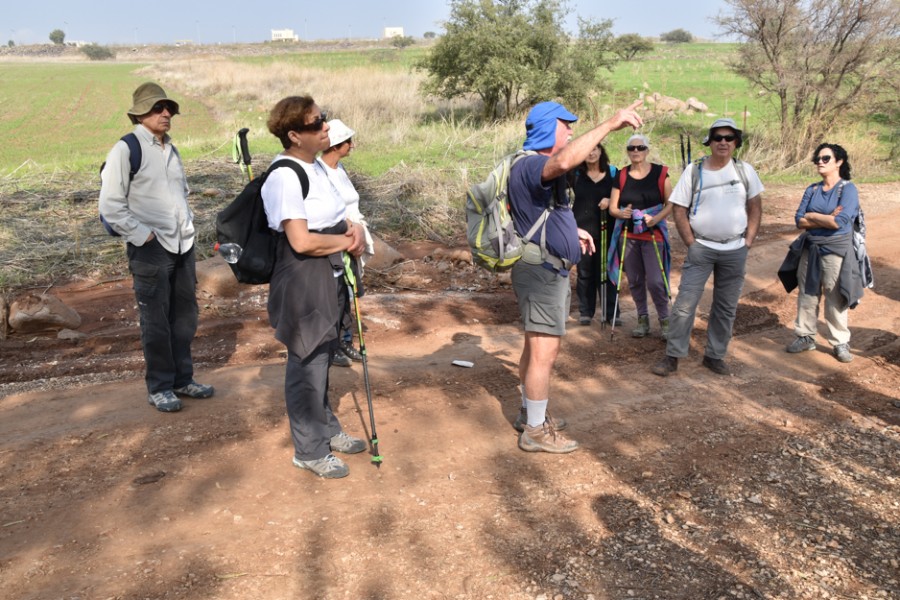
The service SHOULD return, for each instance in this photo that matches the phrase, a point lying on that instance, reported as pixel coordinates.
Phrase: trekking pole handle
(245, 147)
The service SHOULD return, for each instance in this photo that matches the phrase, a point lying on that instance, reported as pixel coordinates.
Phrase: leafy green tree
(823, 62)
(629, 45)
(10, 43)
(677, 36)
(513, 53)
(429, 35)
(402, 41)
(57, 36)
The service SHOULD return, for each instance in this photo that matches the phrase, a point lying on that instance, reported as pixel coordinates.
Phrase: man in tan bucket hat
(148, 207)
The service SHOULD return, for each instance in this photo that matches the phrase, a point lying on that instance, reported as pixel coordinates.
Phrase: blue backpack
(135, 156)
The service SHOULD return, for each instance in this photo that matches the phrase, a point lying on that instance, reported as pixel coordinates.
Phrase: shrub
(95, 52)
(57, 36)
(677, 36)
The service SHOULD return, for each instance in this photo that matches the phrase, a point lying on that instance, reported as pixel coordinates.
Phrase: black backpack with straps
(244, 223)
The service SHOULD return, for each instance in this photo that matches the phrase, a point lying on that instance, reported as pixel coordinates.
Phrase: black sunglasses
(316, 125)
(163, 105)
(824, 159)
(723, 138)
(639, 148)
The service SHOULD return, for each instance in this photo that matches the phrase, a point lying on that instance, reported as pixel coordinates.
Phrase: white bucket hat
(338, 133)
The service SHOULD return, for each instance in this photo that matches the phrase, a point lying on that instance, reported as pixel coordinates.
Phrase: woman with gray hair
(639, 201)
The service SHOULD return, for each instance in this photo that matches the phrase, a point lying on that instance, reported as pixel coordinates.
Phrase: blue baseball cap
(540, 126)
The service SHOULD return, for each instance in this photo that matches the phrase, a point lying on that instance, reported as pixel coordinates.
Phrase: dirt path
(780, 481)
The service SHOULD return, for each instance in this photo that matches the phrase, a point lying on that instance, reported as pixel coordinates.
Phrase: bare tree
(824, 60)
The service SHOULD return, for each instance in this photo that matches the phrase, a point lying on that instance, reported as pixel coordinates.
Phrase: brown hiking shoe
(522, 421)
(545, 439)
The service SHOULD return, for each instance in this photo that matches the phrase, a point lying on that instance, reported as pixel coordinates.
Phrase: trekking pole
(681, 140)
(351, 288)
(240, 152)
(612, 330)
(689, 148)
(662, 270)
(603, 275)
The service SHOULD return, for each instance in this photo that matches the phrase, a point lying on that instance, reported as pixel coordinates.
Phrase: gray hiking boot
(664, 328)
(643, 327)
(842, 353)
(348, 349)
(347, 444)
(329, 466)
(545, 439)
(522, 421)
(801, 343)
(164, 401)
(716, 365)
(195, 390)
(667, 365)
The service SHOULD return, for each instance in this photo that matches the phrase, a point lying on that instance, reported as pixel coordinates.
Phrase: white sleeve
(753, 180)
(681, 195)
(283, 197)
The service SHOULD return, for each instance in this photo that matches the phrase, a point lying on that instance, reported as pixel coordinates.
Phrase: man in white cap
(541, 277)
(717, 206)
(148, 207)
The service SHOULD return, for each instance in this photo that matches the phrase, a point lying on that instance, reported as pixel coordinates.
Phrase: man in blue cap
(541, 277)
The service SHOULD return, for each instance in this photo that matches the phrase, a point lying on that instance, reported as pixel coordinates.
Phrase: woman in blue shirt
(827, 265)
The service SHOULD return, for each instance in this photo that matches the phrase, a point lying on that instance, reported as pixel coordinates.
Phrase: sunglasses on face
(162, 105)
(723, 138)
(824, 159)
(316, 125)
(638, 148)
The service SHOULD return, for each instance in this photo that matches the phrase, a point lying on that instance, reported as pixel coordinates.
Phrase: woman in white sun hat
(341, 139)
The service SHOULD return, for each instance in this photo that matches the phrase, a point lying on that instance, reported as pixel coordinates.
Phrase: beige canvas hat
(144, 97)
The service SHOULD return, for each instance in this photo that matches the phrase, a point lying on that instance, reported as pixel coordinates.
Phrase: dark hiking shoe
(545, 439)
(164, 401)
(716, 365)
(801, 343)
(643, 327)
(195, 390)
(329, 467)
(348, 349)
(339, 359)
(347, 444)
(584, 320)
(617, 322)
(667, 365)
(842, 353)
(664, 329)
(522, 421)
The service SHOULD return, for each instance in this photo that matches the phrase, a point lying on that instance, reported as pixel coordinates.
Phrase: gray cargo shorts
(544, 298)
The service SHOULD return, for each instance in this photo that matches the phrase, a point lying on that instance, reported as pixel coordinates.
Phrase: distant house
(284, 35)
(392, 32)
(76, 43)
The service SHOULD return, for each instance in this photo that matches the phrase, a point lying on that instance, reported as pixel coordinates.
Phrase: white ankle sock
(537, 412)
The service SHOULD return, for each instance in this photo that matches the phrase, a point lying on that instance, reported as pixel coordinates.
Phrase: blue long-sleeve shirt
(817, 201)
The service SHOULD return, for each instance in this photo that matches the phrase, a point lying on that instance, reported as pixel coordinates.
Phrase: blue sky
(227, 21)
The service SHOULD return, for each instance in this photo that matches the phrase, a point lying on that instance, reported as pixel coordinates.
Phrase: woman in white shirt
(313, 234)
(341, 140)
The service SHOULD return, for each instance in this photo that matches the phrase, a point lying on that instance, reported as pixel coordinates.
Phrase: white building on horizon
(284, 35)
(392, 32)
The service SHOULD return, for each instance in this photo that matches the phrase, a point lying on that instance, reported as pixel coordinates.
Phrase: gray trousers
(313, 424)
(836, 309)
(728, 268)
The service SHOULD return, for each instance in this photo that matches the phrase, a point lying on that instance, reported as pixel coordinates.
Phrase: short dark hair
(289, 114)
(839, 154)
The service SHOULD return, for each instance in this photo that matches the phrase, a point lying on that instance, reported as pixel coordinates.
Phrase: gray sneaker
(545, 439)
(801, 343)
(347, 444)
(339, 359)
(165, 401)
(842, 353)
(195, 390)
(522, 421)
(643, 327)
(329, 466)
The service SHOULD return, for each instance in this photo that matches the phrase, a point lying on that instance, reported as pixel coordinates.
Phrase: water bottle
(230, 251)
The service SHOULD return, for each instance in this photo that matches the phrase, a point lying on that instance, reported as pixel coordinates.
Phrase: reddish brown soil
(780, 481)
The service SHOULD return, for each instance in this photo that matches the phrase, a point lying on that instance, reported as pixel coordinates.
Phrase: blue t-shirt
(817, 201)
(528, 197)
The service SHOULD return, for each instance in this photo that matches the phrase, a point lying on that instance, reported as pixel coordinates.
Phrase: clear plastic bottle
(230, 251)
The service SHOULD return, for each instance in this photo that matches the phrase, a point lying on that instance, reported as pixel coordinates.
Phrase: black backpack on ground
(135, 155)
(244, 222)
